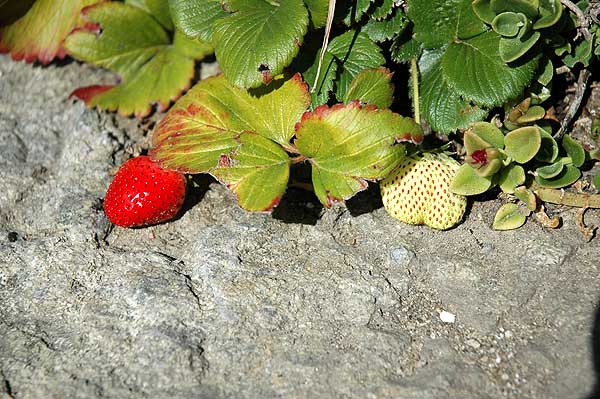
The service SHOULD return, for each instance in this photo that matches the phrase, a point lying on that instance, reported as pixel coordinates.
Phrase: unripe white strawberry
(418, 192)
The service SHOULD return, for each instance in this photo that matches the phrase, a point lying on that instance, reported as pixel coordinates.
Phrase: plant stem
(414, 74)
(582, 84)
(562, 197)
(298, 159)
(330, 13)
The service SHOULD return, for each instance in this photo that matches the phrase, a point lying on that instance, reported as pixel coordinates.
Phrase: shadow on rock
(198, 185)
(365, 201)
(595, 394)
(298, 206)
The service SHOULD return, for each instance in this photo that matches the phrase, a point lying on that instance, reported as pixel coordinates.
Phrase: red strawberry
(142, 194)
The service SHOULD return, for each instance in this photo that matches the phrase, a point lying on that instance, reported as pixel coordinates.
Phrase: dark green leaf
(549, 148)
(574, 150)
(404, 50)
(326, 78)
(550, 171)
(569, 175)
(318, 12)
(196, 17)
(386, 29)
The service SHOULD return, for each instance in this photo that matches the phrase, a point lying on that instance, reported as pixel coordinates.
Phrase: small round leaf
(507, 24)
(533, 114)
(467, 182)
(511, 177)
(527, 197)
(489, 133)
(522, 144)
(569, 175)
(574, 150)
(550, 171)
(549, 148)
(508, 217)
(511, 48)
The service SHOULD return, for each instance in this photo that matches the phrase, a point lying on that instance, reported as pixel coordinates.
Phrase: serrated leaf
(159, 9)
(438, 22)
(259, 40)
(574, 149)
(467, 182)
(569, 175)
(135, 46)
(257, 171)
(382, 9)
(488, 80)
(203, 124)
(372, 86)
(441, 106)
(318, 12)
(326, 79)
(40, 33)
(11, 10)
(196, 17)
(386, 29)
(511, 177)
(355, 51)
(508, 217)
(356, 10)
(349, 144)
(404, 50)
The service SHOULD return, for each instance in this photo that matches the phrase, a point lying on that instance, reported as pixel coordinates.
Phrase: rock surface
(304, 303)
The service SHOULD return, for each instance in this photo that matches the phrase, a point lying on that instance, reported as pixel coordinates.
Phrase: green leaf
(508, 217)
(489, 133)
(356, 10)
(372, 86)
(550, 171)
(522, 144)
(40, 33)
(135, 46)
(257, 171)
(467, 182)
(355, 52)
(534, 113)
(527, 7)
(596, 181)
(475, 70)
(349, 144)
(527, 197)
(404, 50)
(196, 17)
(259, 40)
(159, 9)
(569, 175)
(326, 79)
(574, 150)
(511, 177)
(386, 29)
(581, 54)
(318, 12)
(438, 22)
(549, 148)
(11, 10)
(441, 106)
(550, 12)
(483, 10)
(512, 48)
(202, 126)
(507, 24)
(382, 9)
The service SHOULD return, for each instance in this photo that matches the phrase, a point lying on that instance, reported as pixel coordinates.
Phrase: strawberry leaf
(259, 39)
(203, 125)
(196, 17)
(442, 107)
(372, 86)
(476, 71)
(356, 11)
(318, 12)
(355, 51)
(349, 144)
(382, 30)
(40, 33)
(135, 46)
(326, 79)
(257, 171)
(159, 9)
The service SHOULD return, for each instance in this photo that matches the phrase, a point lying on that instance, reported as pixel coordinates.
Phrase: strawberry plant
(360, 90)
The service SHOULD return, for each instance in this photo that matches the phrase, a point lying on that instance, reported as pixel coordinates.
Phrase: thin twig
(583, 21)
(582, 84)
(330, 13)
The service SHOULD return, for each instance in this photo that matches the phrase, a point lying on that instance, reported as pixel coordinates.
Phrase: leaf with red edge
(347, 145)
(203, 125)
(129, 41)
(40, 33)
(257, 171)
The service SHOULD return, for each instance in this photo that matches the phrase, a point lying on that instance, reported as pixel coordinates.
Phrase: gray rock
(221, 303)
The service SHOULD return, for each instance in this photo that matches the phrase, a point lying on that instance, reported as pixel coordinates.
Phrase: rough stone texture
(306, 303)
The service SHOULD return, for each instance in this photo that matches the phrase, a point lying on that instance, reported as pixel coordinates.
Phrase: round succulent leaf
(259, 40)
(489, 81)
(574, 149)
(507, 24)
(512, 48)
(522, 144)
(372, 86)
(467, 182)
(483, 10)
(438, 22)
(533, 114)
(489, 133)
(548, 149)
(511, 177)
(350, 144)
(527, 197)
(508, 217)
(203, 124)
(257, 171)
(130, 42)
(527, 7)
(581, 54)
(569, 175)
(490, 169)
(441, 105)
(195, 17)
(550, 171)
(39, 34)
(550, 12)
(474, 142)
(547, 73)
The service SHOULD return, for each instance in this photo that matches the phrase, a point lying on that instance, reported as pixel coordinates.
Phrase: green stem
(414, 73)
(562, 197)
